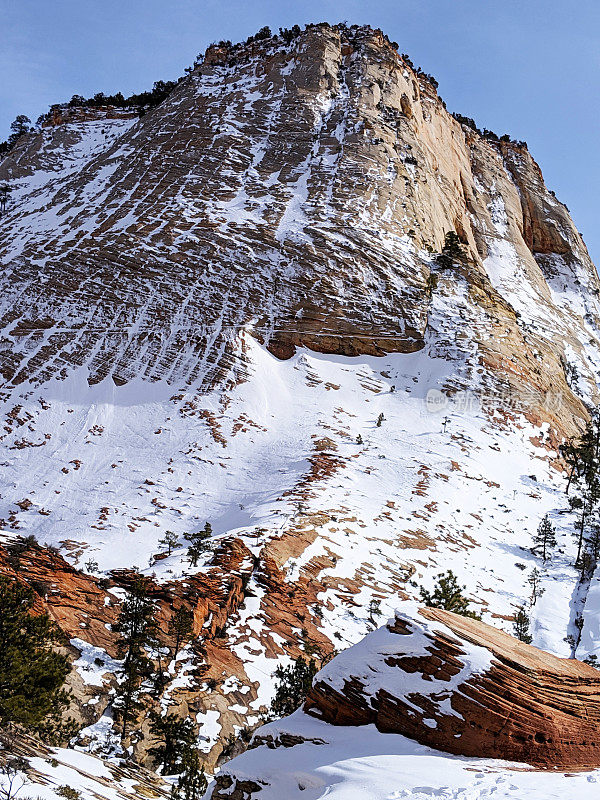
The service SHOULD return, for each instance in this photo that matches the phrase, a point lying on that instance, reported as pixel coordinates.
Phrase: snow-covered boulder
(449, 682)
(465, 687)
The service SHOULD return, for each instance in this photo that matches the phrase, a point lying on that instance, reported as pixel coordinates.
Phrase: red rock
(82, 609)
(73, 599)
(460, 685)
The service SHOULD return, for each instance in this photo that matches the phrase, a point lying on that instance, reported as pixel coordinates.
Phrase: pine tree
(593, 541)
(180, 626)
(31, 672)
(571, 456)
(582, 457)
(199, 543)
(591, 553)
(545, 539)
(589, 449)
(137, 630)
(5, 190)
(18, 128)
(451, 251)
(174, 736)
(448, 595)
(582, 454)
(521, 626)
(192, 782)
(587, 566)
(160, 677)
(289, 34)
(170, 540)
(293, 684)
(534, 581)
(585, 503)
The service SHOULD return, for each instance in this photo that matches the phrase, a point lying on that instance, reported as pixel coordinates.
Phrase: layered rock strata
(462, 686)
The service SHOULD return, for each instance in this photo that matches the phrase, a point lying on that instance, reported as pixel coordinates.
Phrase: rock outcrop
(459, 685)
(84, 608)
(70, 115)
(292, 189)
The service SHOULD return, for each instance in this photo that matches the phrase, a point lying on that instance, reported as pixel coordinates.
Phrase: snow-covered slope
(277, 463)
(347, 763)
(230, 311)
(50, 772)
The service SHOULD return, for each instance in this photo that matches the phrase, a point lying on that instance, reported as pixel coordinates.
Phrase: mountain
(233, 310)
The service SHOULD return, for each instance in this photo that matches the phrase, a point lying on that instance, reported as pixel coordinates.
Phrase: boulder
(462, 686)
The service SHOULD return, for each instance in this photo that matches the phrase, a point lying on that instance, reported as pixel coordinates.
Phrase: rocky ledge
(462, 686)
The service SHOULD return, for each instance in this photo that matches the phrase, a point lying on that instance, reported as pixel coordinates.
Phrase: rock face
(230, 310)
(459, 685)
(292, 190)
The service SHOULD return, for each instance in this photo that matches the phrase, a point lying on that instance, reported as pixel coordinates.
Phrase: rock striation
(181, 294)
(294, 189)
(462, 686)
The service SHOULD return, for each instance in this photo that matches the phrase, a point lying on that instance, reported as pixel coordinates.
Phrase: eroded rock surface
(292, 190)
(462, 686)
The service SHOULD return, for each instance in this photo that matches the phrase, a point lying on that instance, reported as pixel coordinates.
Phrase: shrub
(448, 595)
(292, 685)
(68, 792)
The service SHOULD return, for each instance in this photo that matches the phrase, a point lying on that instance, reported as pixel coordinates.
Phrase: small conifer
(545, 539)
(180, 626)
(521, 626)
(31, 672)
(137, 629)
(448, 595)
(292, 685)
(199, 542)
(173, 736)
(192, 782)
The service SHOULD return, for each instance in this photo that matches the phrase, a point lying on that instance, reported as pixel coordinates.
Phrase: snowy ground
(339, 764)
(109, 469)
(95, 779)
(363, 764)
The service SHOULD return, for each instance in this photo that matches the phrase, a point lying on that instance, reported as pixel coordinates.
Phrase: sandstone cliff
(292, 191)
(231, 310)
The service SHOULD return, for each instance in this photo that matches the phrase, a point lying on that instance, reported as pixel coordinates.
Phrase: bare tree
(13, 771)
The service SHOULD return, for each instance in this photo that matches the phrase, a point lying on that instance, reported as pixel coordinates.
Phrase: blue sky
(530, 68)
